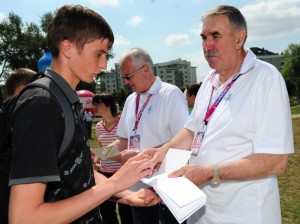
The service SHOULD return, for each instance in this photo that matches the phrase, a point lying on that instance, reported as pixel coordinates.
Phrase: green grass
(295, 110)
(289, 182)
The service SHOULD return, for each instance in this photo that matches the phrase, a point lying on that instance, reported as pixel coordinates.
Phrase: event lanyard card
(134, 142)
(198, 138)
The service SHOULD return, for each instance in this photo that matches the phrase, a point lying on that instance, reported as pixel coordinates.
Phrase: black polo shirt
(38, 132)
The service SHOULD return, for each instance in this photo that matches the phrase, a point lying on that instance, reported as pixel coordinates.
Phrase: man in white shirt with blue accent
(240, 130)
(151, 116)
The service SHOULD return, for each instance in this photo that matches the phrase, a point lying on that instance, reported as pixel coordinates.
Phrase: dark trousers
(109, 213)
(108, 210)
(88, 126)
(166, 217)
(145, 215)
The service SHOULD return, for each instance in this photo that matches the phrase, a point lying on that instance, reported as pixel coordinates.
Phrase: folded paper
(180, 195)
(107, 152)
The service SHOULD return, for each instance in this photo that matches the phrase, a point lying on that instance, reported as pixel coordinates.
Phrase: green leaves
(291, 69)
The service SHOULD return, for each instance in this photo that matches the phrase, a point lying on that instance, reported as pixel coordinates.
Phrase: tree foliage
(46, 19)
(120, 96)
(23, 45)
(291, 69)
(20, 45)
(87, 86)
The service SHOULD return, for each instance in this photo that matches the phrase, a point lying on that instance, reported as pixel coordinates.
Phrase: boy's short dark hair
(20, 76)
(77, 24)
(108, 100)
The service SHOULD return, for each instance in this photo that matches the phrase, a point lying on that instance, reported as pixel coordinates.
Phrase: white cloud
(272, 18)
(104, 2)
(2, 16)
(134, 21)
(197, 59)
(177, 39)
(120, 41)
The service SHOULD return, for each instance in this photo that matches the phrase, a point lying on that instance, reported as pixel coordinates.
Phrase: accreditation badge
(198, 138)
(134, 142)
(197, 143)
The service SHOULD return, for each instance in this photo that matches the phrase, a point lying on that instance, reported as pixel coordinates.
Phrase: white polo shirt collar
(247, 65)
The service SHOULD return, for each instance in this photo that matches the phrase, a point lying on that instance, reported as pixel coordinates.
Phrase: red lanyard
(213, 107)
(138, 115)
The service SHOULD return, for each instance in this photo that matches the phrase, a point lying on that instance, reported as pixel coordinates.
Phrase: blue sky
(169, 29)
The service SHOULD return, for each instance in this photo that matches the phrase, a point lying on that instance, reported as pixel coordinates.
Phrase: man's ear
(241, 38)
(66, 48)
(146, 68)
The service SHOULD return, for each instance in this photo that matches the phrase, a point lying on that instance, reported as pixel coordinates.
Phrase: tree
(291, 69)
(87, 86)
(20, 45)
(46, 19)
(120, 96)
(23, 45)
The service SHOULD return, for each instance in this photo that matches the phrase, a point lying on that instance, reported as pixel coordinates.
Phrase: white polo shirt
(253, 117)
(164, 115)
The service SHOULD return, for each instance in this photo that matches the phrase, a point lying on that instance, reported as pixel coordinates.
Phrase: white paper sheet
(180, 195)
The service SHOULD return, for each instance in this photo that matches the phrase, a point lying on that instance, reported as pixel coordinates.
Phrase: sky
(170, 29)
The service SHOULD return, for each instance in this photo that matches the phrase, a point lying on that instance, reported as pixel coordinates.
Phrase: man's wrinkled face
(133, 75)
(219, 42)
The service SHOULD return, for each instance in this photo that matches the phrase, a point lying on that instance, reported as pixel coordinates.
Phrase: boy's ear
(66, 48)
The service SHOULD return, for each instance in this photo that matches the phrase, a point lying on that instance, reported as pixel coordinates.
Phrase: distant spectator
(18, 80)
(190, 95)
(105, 106)
(88, 118)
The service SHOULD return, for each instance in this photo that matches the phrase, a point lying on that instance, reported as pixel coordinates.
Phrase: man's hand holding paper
(182, 203)
(195, 173)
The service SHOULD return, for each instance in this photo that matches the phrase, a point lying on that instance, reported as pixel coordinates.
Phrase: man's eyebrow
(214, 33)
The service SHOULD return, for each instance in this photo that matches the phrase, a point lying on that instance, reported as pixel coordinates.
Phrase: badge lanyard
(199, 135)
(134, 142)
(138, 115)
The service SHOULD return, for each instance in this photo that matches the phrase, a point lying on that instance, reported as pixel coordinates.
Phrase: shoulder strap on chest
(49, 85)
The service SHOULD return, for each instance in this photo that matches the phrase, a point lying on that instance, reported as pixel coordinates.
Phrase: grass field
(289, 182)
(295, 110)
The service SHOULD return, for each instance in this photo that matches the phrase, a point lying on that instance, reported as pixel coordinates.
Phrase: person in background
(43, 188)
(105, 106)
(190, 95)
(242, 116)
(151, 116)
(15, 82)
(88, 119)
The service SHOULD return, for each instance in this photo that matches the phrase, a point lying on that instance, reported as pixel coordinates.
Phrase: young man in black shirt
(45, 189)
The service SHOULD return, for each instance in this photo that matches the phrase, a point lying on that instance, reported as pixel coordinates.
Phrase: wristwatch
(215, 179)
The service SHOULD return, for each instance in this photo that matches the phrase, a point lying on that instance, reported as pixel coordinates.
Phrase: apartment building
(268, 56)
(177, 72)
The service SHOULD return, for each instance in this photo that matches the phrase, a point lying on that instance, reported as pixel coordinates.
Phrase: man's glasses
(129, 75)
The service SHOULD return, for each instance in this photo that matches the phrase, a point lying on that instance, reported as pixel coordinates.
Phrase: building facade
(177, 72)
(268, 56)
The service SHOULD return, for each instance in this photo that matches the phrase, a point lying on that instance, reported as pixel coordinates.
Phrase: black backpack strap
(48, 84)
